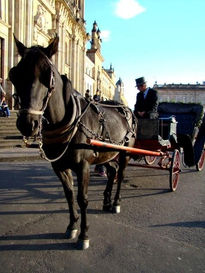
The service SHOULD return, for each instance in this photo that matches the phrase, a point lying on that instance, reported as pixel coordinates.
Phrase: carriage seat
(188, 116)
(150, 136)
(163, 128)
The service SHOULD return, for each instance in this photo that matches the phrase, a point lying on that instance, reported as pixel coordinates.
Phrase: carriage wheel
(149, 159)
(174, 171)
(200, 164)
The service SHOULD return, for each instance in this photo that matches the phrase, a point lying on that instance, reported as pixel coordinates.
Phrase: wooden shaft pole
(131, 150)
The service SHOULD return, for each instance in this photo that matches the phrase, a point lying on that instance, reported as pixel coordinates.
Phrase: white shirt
(146, 92)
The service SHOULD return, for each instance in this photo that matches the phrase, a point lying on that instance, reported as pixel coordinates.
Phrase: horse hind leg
(111, 174)
(67, 181)
(123, 160)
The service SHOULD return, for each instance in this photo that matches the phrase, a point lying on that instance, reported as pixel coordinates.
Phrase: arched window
(79, 4)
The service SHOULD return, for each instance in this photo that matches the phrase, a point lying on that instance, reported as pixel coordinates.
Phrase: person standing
(100, 168)
(96, 97)
(87, 95)
(2, 92)
(3, 105)
(147, 100)
(200, 141)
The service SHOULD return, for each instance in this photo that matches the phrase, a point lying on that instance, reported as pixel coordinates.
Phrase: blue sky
(162, 40)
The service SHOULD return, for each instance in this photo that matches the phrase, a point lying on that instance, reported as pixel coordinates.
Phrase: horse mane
(96, 106)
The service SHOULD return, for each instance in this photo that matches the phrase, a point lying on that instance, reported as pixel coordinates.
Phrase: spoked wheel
(149, 159)
(200, 164)
(174, 171)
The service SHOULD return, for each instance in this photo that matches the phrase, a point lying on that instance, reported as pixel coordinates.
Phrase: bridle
(51, 88)
(73, 126)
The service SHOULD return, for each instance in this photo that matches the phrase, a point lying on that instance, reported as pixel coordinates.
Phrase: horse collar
(64, 133)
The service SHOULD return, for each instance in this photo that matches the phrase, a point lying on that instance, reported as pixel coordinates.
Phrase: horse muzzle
(28, 124)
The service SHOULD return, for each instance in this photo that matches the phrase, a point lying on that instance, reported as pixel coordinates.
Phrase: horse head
(34, 80)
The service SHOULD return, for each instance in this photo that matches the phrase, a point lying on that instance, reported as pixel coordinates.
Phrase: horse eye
(45, 77)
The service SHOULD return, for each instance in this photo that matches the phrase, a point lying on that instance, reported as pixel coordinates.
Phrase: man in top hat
(147, 100)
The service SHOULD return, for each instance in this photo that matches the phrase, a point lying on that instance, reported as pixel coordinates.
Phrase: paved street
(156, 231)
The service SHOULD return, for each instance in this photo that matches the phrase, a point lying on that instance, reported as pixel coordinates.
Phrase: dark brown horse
(64, 121)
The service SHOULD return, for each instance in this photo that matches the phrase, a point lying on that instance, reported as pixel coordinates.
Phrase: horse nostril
(27, 125)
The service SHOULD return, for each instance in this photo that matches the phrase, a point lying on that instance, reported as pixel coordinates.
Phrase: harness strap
(63, 129)
(63, 134)
(69, 134)
(31, 111)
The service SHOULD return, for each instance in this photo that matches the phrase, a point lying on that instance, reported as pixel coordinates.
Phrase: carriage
(170, 139)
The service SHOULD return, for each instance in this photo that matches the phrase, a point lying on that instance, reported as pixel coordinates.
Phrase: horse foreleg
(67, 181)
(122, 164)
(83, 177)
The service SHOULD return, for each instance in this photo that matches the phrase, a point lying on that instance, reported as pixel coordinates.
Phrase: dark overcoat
(148, 104)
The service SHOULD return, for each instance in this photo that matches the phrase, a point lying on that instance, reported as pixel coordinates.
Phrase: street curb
(20, 158)
(19, 154)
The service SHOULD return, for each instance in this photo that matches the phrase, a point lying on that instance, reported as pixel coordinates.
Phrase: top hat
(140, 81)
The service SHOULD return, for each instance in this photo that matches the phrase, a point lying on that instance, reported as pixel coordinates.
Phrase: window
(79, 4)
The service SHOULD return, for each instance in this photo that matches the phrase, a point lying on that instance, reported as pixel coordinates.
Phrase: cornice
(4, 23)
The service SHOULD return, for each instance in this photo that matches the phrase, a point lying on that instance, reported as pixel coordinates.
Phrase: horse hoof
(71, 233)
(107, 207)
(83, 244)
(116, 209)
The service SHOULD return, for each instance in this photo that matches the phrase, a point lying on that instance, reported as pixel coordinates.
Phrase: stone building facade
(89, 79)
(104, 80)
(36, 22)
(187, 93)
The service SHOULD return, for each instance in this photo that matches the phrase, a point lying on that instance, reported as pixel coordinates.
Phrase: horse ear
(52, 48)
(20, 47)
